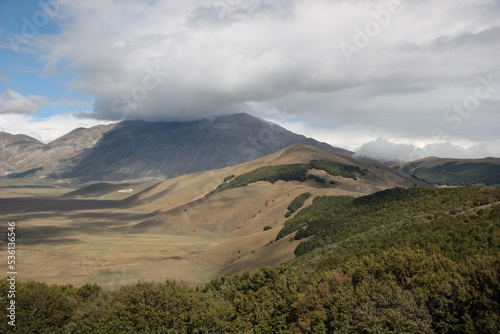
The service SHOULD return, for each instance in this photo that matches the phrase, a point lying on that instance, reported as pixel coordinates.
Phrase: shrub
(293, 172)
(297, 203)
(338, 169)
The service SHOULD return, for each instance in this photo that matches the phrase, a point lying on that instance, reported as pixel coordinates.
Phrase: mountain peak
(137, 149)
(9, 138)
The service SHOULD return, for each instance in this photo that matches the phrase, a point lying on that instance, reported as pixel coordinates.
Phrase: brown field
(158, 230)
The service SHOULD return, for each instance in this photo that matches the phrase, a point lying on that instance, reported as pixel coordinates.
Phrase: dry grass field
(118, 233)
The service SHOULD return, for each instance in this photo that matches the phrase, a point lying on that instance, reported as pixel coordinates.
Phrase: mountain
(24, 156)
(454, 172)
(132, 150)
(139, 149)
(16, 152)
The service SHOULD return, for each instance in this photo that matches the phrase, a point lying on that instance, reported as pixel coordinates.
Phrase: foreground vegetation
(398, 261)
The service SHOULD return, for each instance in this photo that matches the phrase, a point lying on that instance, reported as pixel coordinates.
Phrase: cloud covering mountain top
(418, 72)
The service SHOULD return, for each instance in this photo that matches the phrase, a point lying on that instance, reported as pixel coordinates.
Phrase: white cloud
(12, 102)
(62, 101)
(383, 149)
(46, 129)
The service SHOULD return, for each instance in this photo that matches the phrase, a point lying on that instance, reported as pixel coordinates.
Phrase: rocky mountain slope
(16, 152)
(139, 149)
(22, 155)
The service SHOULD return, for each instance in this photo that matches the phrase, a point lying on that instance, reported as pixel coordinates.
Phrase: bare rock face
(138, 149)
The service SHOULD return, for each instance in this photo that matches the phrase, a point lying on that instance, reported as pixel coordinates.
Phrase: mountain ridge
(27, 153)
(135, 149)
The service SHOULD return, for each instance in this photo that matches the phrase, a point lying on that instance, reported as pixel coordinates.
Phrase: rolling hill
(454, 172)
(89, 229)
(416, 260)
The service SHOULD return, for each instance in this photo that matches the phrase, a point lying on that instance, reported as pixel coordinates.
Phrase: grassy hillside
(175, 230)
(398, 261)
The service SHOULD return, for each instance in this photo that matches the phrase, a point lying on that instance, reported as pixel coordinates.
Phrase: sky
(386, 79)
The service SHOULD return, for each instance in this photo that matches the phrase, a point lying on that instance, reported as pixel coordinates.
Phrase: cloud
(383, 149)
(12, 102)
(173, 60)
(61, 101)
(46, 129)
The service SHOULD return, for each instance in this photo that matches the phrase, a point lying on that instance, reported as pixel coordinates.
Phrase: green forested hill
(460, 222)
(398, 261)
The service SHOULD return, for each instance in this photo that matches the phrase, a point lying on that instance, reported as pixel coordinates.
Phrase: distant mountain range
(139, 149)
(132, 150)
